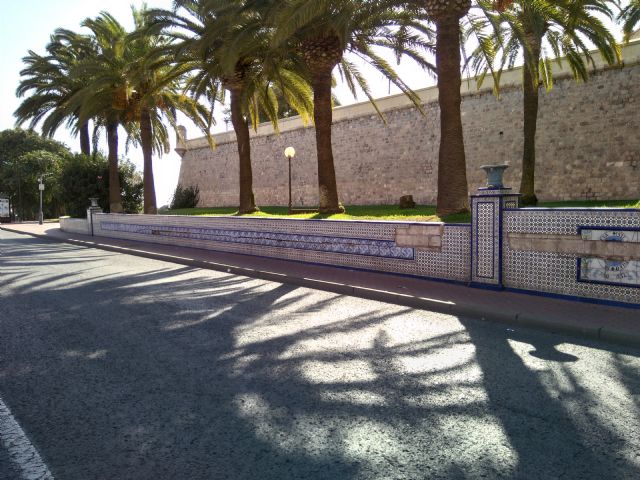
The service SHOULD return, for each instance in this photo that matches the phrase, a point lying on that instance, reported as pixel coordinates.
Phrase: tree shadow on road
(542, 410)
(175, 372)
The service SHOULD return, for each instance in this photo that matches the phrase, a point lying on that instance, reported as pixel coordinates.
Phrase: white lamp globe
(289, 152)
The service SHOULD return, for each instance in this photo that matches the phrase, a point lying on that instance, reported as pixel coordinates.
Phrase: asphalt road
(119, 367)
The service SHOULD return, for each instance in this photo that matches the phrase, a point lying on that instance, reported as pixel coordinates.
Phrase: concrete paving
(117, 366)
(614, 324)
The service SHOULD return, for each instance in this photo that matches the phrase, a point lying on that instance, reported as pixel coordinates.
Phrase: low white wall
(367, 245)
(75, 225)
(580, 253)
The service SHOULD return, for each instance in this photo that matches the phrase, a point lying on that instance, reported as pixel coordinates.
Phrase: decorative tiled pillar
(487, 206)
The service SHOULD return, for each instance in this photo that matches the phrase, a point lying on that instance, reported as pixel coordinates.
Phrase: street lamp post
(41, 188)
(290, 152)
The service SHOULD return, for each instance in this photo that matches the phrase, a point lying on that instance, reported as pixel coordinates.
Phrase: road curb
(513, 318)
(623, 338)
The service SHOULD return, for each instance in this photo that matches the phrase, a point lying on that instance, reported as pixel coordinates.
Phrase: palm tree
(535, 29)
(630, 18)
(107, 95)
(324, 32)
(49, 83)
(453, 189)
(227, 47)
(156, 96)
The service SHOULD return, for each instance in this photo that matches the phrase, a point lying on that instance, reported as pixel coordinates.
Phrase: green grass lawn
(422, 213)
(593, 204)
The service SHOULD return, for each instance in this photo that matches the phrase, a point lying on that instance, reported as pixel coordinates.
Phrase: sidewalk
(619, 325)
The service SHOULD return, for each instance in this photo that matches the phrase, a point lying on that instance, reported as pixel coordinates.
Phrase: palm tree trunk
(150, 207)
(323, 117)
(115, 197)
(241, 128)
(530, 88)
(453, 191)
(85, 139)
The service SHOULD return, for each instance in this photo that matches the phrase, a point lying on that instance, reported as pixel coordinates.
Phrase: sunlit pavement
(120, 367)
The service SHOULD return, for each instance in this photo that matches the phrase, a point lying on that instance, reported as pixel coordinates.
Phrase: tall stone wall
(588, 146)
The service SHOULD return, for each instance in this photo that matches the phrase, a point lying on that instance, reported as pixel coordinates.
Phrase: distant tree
(70, 180)
(132, 185)
(18, 171)
(45, 164)
(83, 177)
(16, 142)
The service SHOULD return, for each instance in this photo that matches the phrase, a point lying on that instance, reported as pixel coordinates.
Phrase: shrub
(185, 197)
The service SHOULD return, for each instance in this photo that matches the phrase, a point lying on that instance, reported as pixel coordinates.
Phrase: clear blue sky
(26, 25)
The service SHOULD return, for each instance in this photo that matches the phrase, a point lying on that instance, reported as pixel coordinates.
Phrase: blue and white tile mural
(615, 272)
(320, 243)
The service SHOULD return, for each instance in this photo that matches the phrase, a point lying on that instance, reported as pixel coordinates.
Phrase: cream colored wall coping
(74, 225)
(428, 236)
(513, 77)
(573, 245)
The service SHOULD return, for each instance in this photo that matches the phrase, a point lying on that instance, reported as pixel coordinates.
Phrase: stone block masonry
(588, 145)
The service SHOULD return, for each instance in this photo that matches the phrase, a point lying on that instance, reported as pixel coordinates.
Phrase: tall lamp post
(290, 152)
(41, 188)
